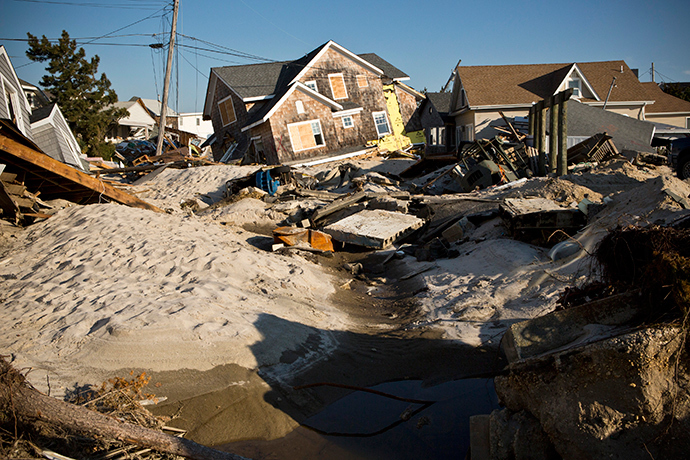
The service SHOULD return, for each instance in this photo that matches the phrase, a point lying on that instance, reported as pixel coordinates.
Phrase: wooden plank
(43, 161)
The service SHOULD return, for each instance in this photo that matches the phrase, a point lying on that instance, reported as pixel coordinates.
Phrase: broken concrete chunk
(374, 228)
(459, 230)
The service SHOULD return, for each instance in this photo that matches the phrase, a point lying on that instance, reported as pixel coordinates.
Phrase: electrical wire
(139, 6)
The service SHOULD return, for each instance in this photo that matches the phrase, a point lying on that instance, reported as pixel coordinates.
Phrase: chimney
(636, 72)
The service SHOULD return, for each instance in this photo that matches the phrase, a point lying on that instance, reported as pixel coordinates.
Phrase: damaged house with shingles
(14, 105)
(481, 93)
(329, 102)
(52, 134)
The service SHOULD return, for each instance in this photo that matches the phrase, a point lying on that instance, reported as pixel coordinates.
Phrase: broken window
(338, 86)
(348, 122)
(306, 135)
(227, 111)
(381, 123)
(362, 81)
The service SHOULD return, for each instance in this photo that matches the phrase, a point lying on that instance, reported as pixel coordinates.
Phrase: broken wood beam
(43, 162)
(336, 206)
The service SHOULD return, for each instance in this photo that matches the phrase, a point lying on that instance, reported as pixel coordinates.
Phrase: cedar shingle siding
(347, 87)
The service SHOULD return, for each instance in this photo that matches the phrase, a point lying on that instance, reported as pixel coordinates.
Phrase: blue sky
(425, 39)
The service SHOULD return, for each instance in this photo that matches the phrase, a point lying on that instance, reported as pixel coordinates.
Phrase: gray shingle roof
(256, 80)
(441, 101)
(389, 69)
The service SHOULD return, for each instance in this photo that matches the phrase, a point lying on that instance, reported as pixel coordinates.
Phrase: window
(311, 85)
(381, 123)
(227, 111)
(14, 109)
(299, 105)
(198, 121)
(362, 81)
(348, 122)
(306, 135)
(687, 122)
(576, 84)
(338, 86)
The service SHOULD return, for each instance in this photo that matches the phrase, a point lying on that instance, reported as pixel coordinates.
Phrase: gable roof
(54, 137)
(275, 81)
(525, 84)
(266, 80)
(664, 102)
(270, 108)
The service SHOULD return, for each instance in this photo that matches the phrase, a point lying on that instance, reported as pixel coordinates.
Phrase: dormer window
(576, 84)
(311, 85)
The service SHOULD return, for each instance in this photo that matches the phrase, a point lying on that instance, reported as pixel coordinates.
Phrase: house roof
(524, 84)
(154, 106)
(441, 101)
(41, 113)
(663, 102)
(260, 80)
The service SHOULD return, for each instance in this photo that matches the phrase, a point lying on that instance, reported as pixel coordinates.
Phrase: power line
(139, 6)
(239, 53)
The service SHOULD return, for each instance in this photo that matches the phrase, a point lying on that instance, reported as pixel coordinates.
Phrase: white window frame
(342, 78)
(388, 123)
(351, 123)
(220, 112)
(16, 105)
(308, 122)
(577, 90)
(311, 84)
(299, 106)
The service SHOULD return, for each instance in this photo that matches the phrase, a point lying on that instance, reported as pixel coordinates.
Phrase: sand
(198, 300)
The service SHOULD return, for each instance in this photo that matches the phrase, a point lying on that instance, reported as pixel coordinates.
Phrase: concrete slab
(571, 327)
(373, 228)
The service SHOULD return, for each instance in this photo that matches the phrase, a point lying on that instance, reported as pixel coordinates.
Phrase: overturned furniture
(597, 148)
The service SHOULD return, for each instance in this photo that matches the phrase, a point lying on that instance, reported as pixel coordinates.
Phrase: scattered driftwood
(28, 406)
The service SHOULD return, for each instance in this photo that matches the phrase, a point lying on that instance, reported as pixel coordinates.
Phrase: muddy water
(388, 391)
(363, 425)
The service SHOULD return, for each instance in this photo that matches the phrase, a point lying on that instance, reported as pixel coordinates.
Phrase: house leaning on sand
(480, 92)
(329, 102)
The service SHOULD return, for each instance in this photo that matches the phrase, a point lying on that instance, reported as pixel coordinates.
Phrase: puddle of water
(365, 426)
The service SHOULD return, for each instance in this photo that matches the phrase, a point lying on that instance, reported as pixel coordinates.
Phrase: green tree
(82, 96)
(676, 90)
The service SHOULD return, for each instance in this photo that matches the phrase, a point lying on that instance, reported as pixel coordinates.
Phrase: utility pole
(653, 73)
(166, 84)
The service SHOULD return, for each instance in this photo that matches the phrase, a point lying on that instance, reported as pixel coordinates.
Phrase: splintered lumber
(337, 205)
(62, 180)
(28, 406)
(376, 229)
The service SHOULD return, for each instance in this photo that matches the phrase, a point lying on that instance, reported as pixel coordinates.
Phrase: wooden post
(553, 135)
(166, 84)
(530, 130)
(542, 138)
(563, 138)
